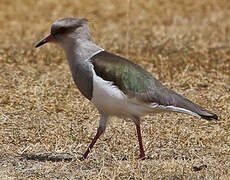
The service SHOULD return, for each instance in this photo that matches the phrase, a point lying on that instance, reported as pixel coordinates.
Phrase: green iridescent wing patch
(129, 77)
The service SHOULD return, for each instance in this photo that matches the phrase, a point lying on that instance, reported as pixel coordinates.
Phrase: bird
(115, 85)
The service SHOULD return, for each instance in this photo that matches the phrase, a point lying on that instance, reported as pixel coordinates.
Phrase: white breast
(107, 97)
(110, 100)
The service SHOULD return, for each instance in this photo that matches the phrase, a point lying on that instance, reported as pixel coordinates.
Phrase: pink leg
(100, 131)
(142, 153)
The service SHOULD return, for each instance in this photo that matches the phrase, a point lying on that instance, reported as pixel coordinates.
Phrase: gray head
(68, 30)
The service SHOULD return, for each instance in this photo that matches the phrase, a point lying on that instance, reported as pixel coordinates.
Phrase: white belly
(110, 100)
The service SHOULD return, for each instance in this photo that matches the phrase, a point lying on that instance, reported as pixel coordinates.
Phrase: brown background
(44, 119)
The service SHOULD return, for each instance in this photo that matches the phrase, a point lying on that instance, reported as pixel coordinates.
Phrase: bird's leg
(100, 131)
(138, 127)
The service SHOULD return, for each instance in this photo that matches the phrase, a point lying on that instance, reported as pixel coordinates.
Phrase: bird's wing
(137, 83)
(129, 77)
(132, 79)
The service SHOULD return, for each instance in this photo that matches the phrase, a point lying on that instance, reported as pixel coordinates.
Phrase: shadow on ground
(53, 157)
(23, 159)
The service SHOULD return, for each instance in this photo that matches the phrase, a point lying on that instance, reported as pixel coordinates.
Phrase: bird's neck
(78, 54)
(80, 51)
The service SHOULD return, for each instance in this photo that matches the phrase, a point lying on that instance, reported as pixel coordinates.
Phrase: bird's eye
(62, 30)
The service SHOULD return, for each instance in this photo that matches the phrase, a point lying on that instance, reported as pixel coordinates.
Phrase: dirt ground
(46, 124)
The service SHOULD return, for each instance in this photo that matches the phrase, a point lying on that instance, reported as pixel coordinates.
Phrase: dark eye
(62, 30)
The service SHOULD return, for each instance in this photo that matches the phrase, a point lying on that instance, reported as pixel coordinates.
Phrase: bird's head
(67, 31)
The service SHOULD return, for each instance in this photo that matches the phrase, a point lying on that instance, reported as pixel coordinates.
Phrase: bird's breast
(109, 99)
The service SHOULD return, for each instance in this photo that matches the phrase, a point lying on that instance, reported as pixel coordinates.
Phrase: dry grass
(45, 124)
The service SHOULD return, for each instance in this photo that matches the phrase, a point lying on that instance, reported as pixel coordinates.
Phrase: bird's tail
(179, 103)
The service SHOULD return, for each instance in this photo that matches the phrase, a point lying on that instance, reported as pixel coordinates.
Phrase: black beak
(47, 39)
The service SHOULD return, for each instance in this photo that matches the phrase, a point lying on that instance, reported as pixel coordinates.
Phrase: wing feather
(137, 83)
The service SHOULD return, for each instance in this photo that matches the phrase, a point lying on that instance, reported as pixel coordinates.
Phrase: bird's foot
(81, 158)
(141, 157)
